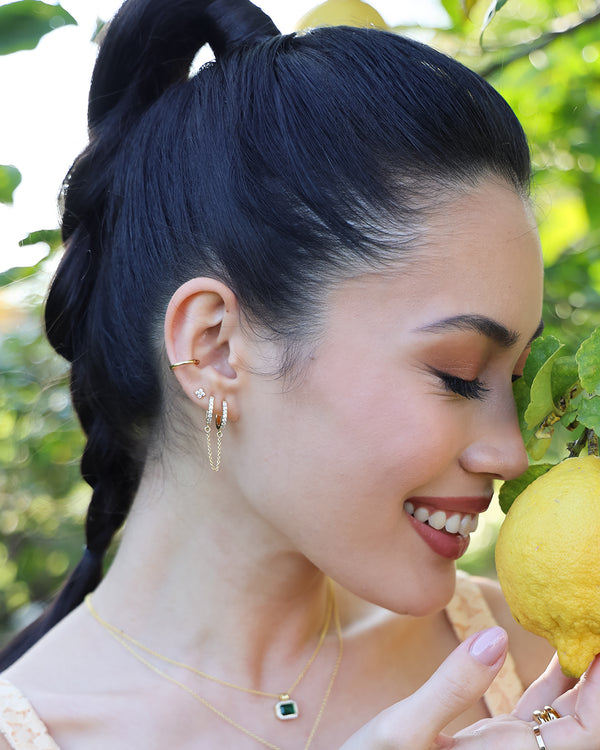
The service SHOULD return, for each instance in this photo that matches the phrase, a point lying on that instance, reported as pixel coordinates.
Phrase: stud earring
(220, 422)
(200, 393)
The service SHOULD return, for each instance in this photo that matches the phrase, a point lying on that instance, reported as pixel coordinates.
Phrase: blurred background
(543, 56)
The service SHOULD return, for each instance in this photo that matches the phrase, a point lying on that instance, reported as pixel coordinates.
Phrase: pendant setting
(286, 708)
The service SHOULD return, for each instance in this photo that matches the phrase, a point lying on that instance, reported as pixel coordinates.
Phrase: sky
(44, 101)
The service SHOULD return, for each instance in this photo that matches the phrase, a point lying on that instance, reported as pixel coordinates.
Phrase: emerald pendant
(286, 708)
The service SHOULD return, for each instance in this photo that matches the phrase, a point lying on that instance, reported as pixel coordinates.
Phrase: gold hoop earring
(184, 362)
(220, 423)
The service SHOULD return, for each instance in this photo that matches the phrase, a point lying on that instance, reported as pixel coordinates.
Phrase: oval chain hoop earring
(220, 422)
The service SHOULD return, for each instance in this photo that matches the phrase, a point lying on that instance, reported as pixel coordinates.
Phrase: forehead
(481, 256)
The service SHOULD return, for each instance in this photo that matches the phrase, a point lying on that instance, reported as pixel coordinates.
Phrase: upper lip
(466, 504)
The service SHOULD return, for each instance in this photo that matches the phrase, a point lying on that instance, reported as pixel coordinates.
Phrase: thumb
(459, 682)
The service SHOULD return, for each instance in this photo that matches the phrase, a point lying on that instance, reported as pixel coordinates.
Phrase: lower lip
(450, 546)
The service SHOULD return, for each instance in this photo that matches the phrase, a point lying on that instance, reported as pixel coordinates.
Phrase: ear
(203, 323)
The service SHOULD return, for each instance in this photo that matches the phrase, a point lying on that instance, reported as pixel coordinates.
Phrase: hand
(415, 723)
(576, 702)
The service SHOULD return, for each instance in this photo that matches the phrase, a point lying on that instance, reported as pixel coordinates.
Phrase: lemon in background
(548, 560)
(341, 13)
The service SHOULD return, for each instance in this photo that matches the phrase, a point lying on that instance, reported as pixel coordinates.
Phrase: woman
(296, 289)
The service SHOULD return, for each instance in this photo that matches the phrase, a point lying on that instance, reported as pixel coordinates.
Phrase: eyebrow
(491, 329)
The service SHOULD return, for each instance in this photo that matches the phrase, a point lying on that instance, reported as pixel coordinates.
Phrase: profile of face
(404, 409)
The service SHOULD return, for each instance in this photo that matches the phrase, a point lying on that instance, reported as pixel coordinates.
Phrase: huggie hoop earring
(184, 362)
(220, 423)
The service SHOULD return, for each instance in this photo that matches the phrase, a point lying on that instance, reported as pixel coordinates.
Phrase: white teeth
(439, 519)
(453, 524)
(465, 525)
(421, 514)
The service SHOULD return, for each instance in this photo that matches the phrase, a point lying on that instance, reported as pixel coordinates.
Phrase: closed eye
(460, 386)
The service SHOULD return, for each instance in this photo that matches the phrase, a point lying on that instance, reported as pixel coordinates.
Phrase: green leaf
(537, 446)
(51, 237)
(493, 8)
(521, 392)
(542, 403)
(512, 489)
(454, 10)
(588, 361)
(564, 378)
(24, 23)
(589, 413)
(541, 350)
(10, 178)
(16, 274)
(572, 411)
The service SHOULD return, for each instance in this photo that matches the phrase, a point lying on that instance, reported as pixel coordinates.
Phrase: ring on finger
(539, 739)
(547, 714)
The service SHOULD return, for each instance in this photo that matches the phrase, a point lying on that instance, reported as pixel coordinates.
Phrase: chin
(425, 595)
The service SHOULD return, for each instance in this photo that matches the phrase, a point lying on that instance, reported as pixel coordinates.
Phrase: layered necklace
(285, 707)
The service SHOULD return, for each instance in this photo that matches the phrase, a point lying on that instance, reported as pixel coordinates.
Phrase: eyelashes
(464, 388)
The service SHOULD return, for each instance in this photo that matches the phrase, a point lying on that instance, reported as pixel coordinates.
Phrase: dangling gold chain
(130, 644)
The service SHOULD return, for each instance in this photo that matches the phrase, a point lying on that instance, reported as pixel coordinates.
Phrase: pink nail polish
(489, 646)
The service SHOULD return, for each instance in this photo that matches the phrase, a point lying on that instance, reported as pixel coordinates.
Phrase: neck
(245, 602)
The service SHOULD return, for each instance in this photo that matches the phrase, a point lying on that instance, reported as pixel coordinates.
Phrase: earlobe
(202, 338)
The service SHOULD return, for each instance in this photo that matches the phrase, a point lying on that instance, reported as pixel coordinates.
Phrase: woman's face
(405, 408)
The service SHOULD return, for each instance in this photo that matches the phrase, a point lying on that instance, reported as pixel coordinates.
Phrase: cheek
(382, 426)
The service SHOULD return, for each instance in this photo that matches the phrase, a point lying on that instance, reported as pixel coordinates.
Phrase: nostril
(502, 460)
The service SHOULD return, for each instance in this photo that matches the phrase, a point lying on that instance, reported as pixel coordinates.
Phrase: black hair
(288, 162)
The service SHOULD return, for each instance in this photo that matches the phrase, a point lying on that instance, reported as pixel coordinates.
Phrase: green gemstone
(287, 709)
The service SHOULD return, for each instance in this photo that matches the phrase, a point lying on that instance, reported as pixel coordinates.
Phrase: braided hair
(287, 163)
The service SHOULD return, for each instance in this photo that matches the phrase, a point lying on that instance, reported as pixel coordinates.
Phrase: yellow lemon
(548, 560)
(341, 12)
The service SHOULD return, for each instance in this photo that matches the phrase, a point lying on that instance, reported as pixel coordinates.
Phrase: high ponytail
(148, 48)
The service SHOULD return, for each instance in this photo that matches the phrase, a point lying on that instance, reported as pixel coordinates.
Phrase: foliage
(41, 493)
(10, 177)
(558, 395)
(24, 23)
(543, 57)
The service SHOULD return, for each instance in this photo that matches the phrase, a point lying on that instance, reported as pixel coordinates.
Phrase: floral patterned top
(468, 613)
(20, 725)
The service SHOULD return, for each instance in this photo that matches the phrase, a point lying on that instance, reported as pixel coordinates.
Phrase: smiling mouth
(452, 522)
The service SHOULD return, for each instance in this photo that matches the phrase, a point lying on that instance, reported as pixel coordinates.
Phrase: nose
(497, 450)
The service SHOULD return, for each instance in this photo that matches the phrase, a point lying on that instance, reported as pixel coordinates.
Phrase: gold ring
(546, 715)
(538, 737)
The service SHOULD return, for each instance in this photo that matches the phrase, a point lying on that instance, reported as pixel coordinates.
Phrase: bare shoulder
(530, 652)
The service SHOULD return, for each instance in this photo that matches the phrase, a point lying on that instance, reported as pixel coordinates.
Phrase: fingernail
(489, 646)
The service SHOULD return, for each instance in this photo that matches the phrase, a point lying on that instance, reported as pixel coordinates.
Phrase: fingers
(588, 695)
(546, 689)
(501, 733)
(415, 723)
(461, 680)
(458, 683)
(577, 729)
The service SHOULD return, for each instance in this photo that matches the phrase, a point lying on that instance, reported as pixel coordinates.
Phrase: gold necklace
(285, 708)
(130, 644)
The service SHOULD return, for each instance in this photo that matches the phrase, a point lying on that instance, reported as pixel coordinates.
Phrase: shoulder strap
(468, 613)
(19, 724)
